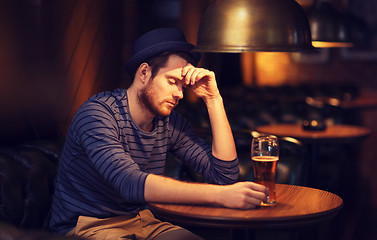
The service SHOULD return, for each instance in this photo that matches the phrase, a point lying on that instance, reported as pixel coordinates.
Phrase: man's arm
(242, 195)
(203, 83)
(196, 153)
(223, 146)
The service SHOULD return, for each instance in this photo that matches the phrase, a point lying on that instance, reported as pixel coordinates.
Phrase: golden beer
(265, 173)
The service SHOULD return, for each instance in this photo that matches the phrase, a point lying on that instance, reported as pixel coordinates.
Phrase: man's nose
(178, 93)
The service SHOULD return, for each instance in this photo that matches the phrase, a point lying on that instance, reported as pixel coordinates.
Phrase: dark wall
(55, 55)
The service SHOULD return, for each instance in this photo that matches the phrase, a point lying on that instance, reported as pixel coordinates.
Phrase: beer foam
(265, 158)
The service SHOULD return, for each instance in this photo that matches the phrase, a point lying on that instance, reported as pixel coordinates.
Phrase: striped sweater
(107, 157)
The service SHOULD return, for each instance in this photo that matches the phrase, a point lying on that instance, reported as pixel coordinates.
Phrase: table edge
(242, 223)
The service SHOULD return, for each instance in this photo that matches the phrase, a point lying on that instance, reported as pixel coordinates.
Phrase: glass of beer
(264, 156)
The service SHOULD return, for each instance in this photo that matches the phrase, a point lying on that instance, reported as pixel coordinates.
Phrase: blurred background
(55, 54)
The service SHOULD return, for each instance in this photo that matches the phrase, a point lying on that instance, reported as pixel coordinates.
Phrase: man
(113, 159)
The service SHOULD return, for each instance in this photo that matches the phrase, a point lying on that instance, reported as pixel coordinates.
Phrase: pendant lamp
(254, 25)
(329, 27)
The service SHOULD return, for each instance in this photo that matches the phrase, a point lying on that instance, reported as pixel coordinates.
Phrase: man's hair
(159, 61)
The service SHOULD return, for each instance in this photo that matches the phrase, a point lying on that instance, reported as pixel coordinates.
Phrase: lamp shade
(254, 25)
(329, 27)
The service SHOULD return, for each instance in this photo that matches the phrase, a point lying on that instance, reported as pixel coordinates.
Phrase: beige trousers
(143, 226)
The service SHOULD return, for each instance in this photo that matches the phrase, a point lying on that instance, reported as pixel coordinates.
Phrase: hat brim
(156, 49)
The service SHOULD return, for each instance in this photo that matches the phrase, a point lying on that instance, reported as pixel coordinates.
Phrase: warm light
(306, 4)
(334, 102)
(321, 44)
(329, 27)
(272, 68)
(248, 68)
(233, 33)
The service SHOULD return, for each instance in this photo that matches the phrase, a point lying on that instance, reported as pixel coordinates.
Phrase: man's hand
(242, 195)
(201, 81)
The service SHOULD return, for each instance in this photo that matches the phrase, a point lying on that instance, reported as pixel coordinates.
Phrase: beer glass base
(268, 204)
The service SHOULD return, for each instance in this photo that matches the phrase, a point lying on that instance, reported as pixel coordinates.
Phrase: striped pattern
(106, 159)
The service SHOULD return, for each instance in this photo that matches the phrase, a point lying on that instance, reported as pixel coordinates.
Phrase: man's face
(162, 93)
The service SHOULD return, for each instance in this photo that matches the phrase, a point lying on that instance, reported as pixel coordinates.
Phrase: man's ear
(143, 72)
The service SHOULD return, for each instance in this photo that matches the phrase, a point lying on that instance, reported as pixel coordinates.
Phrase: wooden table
(364, 102)
(359, 103)
(297, 206)
(332, 134)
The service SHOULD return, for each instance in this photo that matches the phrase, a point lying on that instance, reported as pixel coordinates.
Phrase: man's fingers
(256, 186)
(192, 74)
(253, 199)
(202, 74)
(185, 69)
(257, 190)
(187, 74)
(195, 76)
(262, 196)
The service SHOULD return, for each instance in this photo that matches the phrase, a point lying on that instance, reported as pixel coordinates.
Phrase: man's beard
(146, 98)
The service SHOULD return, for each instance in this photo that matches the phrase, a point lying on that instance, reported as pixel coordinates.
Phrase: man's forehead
(173, 70)
(174, 67)
(176, 76)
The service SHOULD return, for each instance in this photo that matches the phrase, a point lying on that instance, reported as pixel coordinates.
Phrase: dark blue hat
(156, 42)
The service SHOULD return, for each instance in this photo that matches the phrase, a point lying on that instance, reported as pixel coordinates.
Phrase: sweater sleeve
(197, 154)
(98, 133)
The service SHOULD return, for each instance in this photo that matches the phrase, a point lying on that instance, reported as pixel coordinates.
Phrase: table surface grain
(297, 206)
